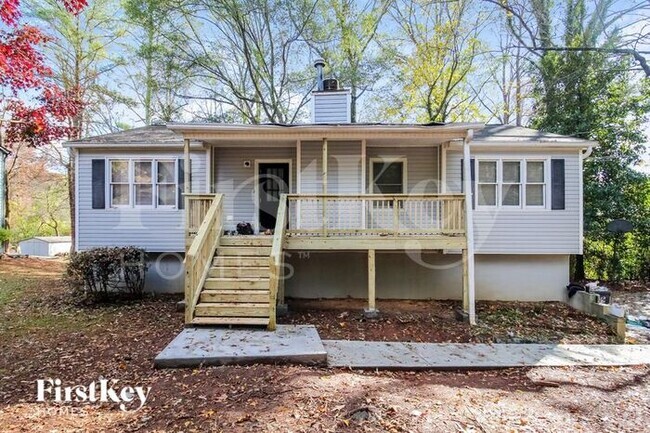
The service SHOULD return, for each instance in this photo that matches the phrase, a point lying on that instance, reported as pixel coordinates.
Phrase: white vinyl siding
(237, 182)
(421, 164)
(155, 229)
(528, 230)
(331, 107)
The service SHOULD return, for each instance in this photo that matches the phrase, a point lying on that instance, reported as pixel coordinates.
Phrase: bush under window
(102, 274)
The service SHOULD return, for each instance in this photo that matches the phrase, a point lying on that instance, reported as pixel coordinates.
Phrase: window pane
(120, 171)
(535, 172)
(142, 172)
(166, 172)
(535, 195)
(510, 194)
(511, 172)
(143, 195)
(487, 195)
(487, 171)
(119, 195)
(166, 195)
(389, 177)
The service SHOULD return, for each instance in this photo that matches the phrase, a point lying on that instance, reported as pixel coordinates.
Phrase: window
(143, 183)
(511, 183)
(535, 183)
(389, 176)
(487, 183)
(119, 183)
(166, 183)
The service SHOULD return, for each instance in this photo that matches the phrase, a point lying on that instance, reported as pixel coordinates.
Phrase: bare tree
(242, 54)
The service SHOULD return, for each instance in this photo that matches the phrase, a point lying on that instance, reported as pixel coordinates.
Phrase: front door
(273, 180)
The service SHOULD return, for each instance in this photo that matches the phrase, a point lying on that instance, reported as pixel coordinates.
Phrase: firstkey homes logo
(100, 391)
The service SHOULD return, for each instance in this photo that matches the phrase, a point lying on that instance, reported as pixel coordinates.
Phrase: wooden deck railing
(201, 250)
(196, 208)
(327, 215)
(276, 260)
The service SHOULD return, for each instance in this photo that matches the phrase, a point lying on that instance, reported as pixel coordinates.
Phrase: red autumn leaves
(38, 110)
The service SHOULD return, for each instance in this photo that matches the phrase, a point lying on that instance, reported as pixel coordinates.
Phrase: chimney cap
(319, 62)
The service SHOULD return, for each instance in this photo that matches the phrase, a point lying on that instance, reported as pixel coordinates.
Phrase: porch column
(371, 311)
(468, 252)
(187, 187)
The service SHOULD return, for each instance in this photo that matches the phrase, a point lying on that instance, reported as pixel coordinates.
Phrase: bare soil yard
(43, 334)
(435, 322)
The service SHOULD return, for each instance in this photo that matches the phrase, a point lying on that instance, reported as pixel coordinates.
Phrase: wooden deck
(238, 280)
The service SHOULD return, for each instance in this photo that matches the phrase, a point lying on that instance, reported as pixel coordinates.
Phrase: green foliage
(593, 95)
(102, 274)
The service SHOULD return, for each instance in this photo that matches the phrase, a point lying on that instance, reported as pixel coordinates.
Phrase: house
(3, 190)
(420, 211)
(45, 246)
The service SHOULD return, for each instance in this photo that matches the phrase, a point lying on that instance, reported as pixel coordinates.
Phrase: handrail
(276, 259)
(199, 256)
(196, 207)
(328, 215)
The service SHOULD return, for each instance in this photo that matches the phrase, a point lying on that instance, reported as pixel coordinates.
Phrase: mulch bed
(435, 322)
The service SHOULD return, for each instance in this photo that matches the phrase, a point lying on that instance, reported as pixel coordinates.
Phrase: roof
(51, 239)
(142, 135)
(509, 134)
(172, 134)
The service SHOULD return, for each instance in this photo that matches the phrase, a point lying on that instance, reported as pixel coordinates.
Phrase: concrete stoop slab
(413, 356)
(299, 344)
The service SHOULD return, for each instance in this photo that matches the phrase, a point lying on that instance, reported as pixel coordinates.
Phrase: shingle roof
(510, 133)
(158, 134)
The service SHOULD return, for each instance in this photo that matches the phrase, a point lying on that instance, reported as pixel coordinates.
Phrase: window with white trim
(166, 183)
(119, 183)
(511, 183)
(388, 176)
(487, 183)
(143, 183)
(535, 183)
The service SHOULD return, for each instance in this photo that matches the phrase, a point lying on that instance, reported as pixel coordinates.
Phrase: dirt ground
(43, 335)
(435, 322)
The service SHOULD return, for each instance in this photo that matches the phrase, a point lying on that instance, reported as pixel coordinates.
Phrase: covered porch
(331, 199)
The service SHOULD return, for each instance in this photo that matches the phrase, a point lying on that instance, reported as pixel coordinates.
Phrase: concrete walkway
(412, 356)
(298, 344)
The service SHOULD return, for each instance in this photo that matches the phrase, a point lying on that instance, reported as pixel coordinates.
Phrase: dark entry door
(273, 181)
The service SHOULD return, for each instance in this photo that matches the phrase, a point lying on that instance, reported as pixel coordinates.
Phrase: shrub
(104, 273)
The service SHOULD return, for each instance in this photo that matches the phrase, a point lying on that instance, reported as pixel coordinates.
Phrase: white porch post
(187, 187)
(298, 179)
(468, 256)
(324, 181)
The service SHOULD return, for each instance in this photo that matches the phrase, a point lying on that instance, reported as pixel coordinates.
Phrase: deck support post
(468, 252)
(371, 311)
(324, 181)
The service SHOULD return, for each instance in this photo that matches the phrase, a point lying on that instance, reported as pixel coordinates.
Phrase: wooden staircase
(236, 290)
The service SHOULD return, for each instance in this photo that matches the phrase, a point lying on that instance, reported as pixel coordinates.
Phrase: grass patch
(11, 289)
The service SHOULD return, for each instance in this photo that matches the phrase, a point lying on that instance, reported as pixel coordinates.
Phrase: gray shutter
(557, 184)
(181, 184)
(99, 184)
(472, 164)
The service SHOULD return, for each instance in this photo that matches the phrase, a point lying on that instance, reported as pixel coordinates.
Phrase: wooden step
(258, 241)
(239, 271)
(236, 296)
(244, 251)
(250, 321)
(236, 283)
(223, 309)
(241, 261)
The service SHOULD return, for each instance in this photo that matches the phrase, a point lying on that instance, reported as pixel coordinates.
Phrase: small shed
(45, 246)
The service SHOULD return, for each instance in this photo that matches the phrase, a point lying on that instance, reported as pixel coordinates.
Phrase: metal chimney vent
(319, 64)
